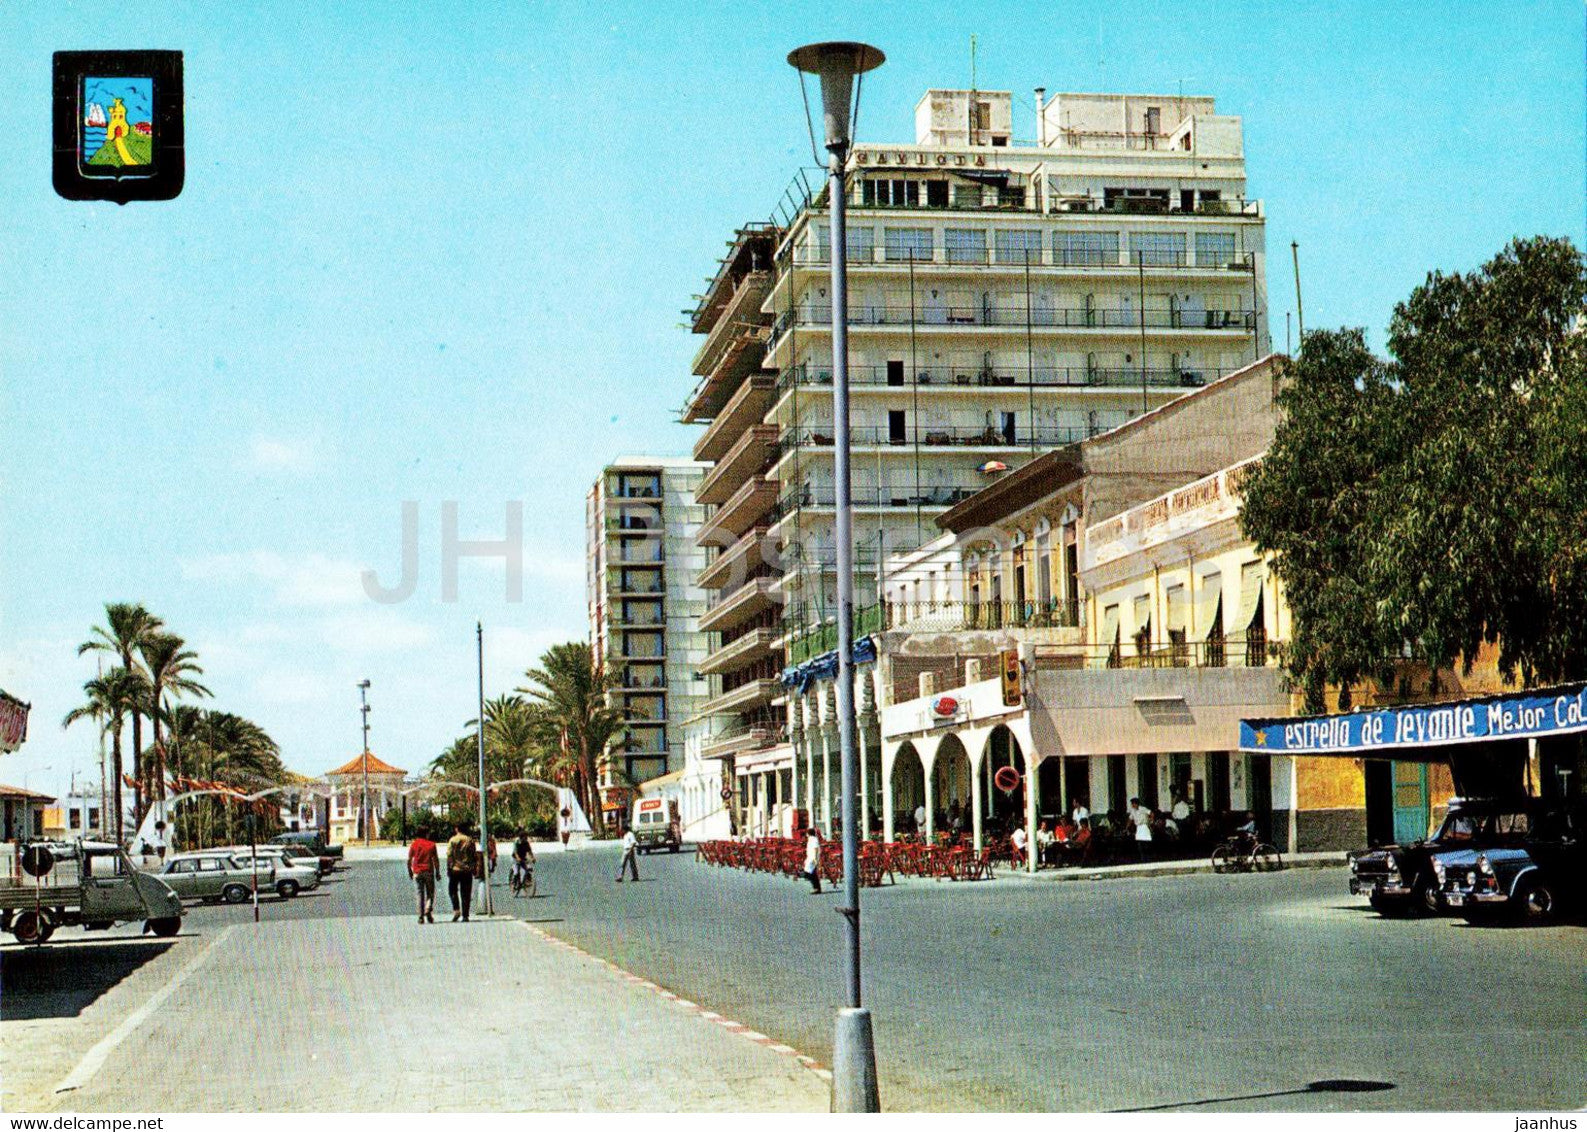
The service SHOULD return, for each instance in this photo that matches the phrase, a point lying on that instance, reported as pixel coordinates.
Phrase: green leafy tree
(109, 699)
(127, 625)
(219, 746)
(171, 666)
(573, 722)
(1431, 504)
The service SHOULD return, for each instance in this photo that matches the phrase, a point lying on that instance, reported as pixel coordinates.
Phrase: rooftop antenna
(970, 102)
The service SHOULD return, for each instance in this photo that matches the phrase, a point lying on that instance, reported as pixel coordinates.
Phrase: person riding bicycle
(523, 859)
(1245, 836)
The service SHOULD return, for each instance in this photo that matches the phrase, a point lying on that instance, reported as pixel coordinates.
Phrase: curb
(1167, 869)
(736, 1028)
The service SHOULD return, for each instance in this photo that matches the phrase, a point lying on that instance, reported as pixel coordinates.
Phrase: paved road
(1200, 992)
(1206, 991)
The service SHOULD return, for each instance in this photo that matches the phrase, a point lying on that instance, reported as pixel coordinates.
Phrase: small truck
(46, 885)
(656, 825)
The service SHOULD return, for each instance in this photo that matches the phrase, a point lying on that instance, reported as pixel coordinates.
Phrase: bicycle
(1243, 853)
(523, 880)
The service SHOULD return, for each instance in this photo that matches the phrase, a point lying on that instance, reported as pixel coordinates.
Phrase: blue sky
(438, 252)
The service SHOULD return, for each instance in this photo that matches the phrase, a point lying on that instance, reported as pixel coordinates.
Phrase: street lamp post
(363, 803)
(484, 830)
(837, 65)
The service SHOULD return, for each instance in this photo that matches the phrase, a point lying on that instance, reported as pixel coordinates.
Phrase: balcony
(737, 560)
(754, 645)
(737, 606)
(745, 697)
(1009, 316)
(932, 436)
(748, 504)
(746, 458)
(941, 495)
(807, 642)
(743, 411)
(966, 616)
(982, 378)
(740, 739)
(734, 329)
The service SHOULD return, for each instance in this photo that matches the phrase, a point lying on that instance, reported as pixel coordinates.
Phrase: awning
(989, 176)
(1110, 627)
(1209, 595)
(1178, 609)
(1251, 578)
(825, 666)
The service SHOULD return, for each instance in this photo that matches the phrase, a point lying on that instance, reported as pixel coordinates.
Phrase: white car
(291, 874)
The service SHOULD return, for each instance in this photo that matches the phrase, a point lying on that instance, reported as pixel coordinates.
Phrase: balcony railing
(1012, 317)
(977, 376)
(1253, 650)
(811, 641)
(928, 495)
(953, 616)
(932, 436)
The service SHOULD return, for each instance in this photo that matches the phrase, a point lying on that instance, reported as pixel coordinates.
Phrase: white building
(644, 609)
(1006, 297)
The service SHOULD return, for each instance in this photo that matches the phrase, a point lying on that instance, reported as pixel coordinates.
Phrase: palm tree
(127, 626)
(171, 668)
(568, 695)
(226, 748)
(110, 696)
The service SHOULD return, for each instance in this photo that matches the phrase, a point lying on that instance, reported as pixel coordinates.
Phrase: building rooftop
(17, 793)
(375, 766)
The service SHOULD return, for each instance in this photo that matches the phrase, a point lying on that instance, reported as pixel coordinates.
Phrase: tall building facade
(644, 608)
(1006, 298)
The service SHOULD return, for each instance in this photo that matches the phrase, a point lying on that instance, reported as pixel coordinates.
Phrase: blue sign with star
(1521, 715)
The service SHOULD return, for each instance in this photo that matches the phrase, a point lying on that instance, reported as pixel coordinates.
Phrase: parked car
(211, 876)
(310, 839)
(1400, 880)
(323, 863)
(290, 875)
(1539, 880)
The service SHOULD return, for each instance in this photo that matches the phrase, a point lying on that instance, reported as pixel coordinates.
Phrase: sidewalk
(385, 1014)
(1334, 859)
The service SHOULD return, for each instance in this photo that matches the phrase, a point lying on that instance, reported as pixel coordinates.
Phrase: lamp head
(836, 64)
(363, 683)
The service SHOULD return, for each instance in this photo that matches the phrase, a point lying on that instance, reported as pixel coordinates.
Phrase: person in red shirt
(423, 866)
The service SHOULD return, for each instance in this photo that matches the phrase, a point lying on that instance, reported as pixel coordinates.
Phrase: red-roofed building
(348, 782)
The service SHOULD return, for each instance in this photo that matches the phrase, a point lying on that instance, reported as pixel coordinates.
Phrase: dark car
(1400, 880)
(1539, 880)
(311, 840)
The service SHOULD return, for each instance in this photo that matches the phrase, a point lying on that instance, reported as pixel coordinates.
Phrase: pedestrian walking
(564, 825)
(813, 859)
(462, 859)
(630, 859)
(423, 864)
(1141, 819)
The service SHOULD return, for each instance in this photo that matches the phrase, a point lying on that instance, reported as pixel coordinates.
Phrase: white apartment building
(1006, 298)
(644, 608)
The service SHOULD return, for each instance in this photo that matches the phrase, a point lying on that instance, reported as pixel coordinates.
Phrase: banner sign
(13, 722)
(1522, 715)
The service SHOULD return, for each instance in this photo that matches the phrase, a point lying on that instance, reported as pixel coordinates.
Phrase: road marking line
(736, 1028)
(96, 1057)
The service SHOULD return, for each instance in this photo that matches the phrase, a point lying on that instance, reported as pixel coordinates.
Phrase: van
(656, 825)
